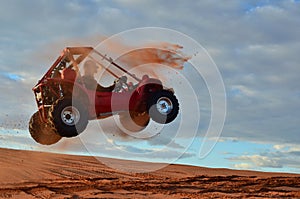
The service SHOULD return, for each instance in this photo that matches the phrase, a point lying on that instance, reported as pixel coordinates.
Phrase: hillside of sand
(27, 174)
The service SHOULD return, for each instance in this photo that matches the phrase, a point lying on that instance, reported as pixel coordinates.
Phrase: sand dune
(26, 174)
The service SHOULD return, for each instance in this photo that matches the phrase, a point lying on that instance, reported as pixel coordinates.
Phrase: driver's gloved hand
(123, 79)
(117, 83)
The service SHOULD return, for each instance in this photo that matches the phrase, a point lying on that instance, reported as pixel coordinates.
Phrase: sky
(254, 44)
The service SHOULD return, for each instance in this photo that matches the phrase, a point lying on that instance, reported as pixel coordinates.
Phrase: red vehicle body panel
(100, 104)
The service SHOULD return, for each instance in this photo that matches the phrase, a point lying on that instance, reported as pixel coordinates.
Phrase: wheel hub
(164, 105)
(70, 115)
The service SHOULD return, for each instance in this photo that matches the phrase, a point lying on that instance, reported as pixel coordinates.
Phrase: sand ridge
(26, 174)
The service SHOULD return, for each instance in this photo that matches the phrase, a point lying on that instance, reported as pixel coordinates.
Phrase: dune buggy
(65, 105)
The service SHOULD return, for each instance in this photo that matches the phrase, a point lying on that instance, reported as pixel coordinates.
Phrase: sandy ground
(25, 174)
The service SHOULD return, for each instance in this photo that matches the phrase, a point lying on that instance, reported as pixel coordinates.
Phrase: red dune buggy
(65, 105)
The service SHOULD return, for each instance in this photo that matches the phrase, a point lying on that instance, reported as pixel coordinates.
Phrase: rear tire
(163, 107)
(42, 132)
(69, 117)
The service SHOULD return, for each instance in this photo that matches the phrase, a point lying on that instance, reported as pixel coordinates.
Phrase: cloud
(255, 45)
(246, 166)
(279, 146)
(280, 157)
(166, 138)
(258, 161)
(138, 151)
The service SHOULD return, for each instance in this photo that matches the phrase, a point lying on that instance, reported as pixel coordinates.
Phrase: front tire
(163, 107)
(42, 132)
(69, 117)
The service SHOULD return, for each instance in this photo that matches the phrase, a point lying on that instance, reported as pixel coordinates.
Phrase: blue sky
(255, 45)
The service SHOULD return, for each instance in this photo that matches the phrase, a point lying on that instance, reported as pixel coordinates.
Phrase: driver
(90, 69)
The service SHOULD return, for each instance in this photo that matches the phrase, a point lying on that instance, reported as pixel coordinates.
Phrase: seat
(68, 74)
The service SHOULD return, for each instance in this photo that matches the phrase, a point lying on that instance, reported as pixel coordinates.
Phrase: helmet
(90, 64)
